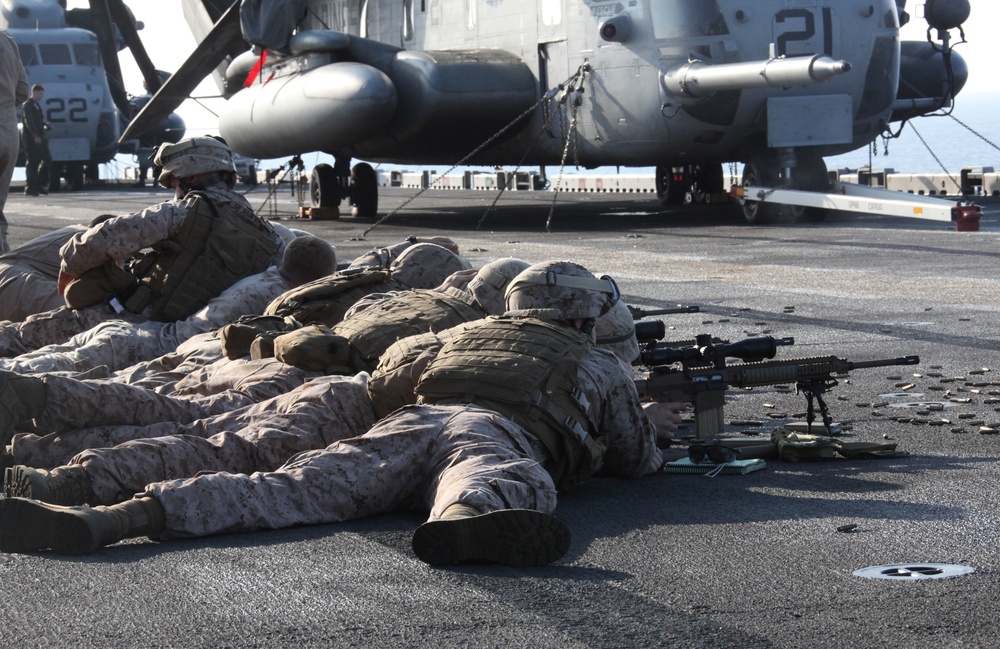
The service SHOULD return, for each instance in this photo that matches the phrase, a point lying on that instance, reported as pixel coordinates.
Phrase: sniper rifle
(704, 376)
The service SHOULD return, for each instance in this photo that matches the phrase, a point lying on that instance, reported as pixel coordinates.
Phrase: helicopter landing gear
(329, 185)
(672, 183)
(364, 191)
(706, 180)
(686, 183)
(804, 170)
(760, 171)
(324, 190)
(810, 175)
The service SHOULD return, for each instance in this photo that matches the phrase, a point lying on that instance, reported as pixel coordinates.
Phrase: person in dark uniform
(36, 145)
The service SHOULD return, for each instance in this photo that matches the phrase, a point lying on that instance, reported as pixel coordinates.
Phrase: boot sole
(29, 525)
(17, 485)
(512, 537)
(24, 482)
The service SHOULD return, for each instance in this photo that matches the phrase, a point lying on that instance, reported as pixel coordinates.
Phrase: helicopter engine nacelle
(345, 101)
(925, 84)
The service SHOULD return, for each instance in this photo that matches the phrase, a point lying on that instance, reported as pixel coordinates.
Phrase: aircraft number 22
(60, 111)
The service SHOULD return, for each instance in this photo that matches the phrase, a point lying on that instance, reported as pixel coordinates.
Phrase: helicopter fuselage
(643, 82)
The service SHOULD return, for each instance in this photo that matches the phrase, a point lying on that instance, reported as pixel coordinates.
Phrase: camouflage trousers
(422, 457)
(71, 404)
(259, 438)
(53, 327)
(224, 387)
(25, 291)
(110, 346)
(164, 372)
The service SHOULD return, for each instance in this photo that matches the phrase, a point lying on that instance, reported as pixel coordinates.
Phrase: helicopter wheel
(672, 184)
(810, 175)
(323, 186)
(74, 176)
(707, 180)
(760, 172)
(251, 177)
(364, 191)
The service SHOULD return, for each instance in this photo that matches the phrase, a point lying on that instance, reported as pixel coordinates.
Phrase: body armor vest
(392, 385)
(215, 248)
(524, 369)
(327, 299)
(416, 311)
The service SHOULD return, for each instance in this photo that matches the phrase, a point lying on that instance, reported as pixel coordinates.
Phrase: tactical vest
(524, 369)
(327, 299)
(214, 248)
(393, 382)
(416, 311)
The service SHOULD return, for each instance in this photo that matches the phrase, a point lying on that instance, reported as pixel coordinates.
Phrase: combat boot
(513, 537)
(29, 525)
(21, 398)
(64, 485)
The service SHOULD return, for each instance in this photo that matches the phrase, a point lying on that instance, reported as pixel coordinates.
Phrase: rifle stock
(705, 387)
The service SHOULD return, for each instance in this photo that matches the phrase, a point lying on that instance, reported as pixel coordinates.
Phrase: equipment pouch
(99, 285)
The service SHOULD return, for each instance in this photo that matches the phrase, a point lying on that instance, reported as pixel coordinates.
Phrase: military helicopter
(681, 85)
(73, 53)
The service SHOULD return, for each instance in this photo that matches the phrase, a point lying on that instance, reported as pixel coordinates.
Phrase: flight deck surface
(670, 560)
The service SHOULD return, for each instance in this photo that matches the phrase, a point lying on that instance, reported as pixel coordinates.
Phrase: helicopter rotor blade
(104, 29)
(223, 37)
(125, 21)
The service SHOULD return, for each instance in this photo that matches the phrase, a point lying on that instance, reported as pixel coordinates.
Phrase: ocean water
(968, 137)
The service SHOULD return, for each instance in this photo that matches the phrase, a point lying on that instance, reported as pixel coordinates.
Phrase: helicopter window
(55, 54)
(687, 18)
(87, 54)
(28, 55)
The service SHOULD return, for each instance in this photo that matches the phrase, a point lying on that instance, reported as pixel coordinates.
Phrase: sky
(169, 41)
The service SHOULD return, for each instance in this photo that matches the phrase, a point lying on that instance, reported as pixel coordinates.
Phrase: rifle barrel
(638, 314)
(886, 362)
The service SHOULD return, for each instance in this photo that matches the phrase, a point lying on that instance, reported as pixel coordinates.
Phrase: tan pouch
(314, 347)
(99, 285)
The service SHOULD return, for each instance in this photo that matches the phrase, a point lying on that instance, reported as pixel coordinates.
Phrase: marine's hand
(63, 281)
(458, 279)
(665, 416)
(655, 462)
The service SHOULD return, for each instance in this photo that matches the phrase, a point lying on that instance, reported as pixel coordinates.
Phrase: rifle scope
(650, 330)
(748, 350)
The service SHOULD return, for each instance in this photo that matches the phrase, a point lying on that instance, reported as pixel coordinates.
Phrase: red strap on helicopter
(255, 72)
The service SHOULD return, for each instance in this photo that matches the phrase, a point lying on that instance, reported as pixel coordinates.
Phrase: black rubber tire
(810, 175)
(323, 190)
(669, 190)
(760, 172)
(74, 176)
(364, 191)
(707, 180)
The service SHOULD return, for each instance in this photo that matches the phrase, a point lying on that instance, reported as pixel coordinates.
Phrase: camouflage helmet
(191, 157)
(426, 265)
(491, 281)
(561, 290)
(616, 333)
